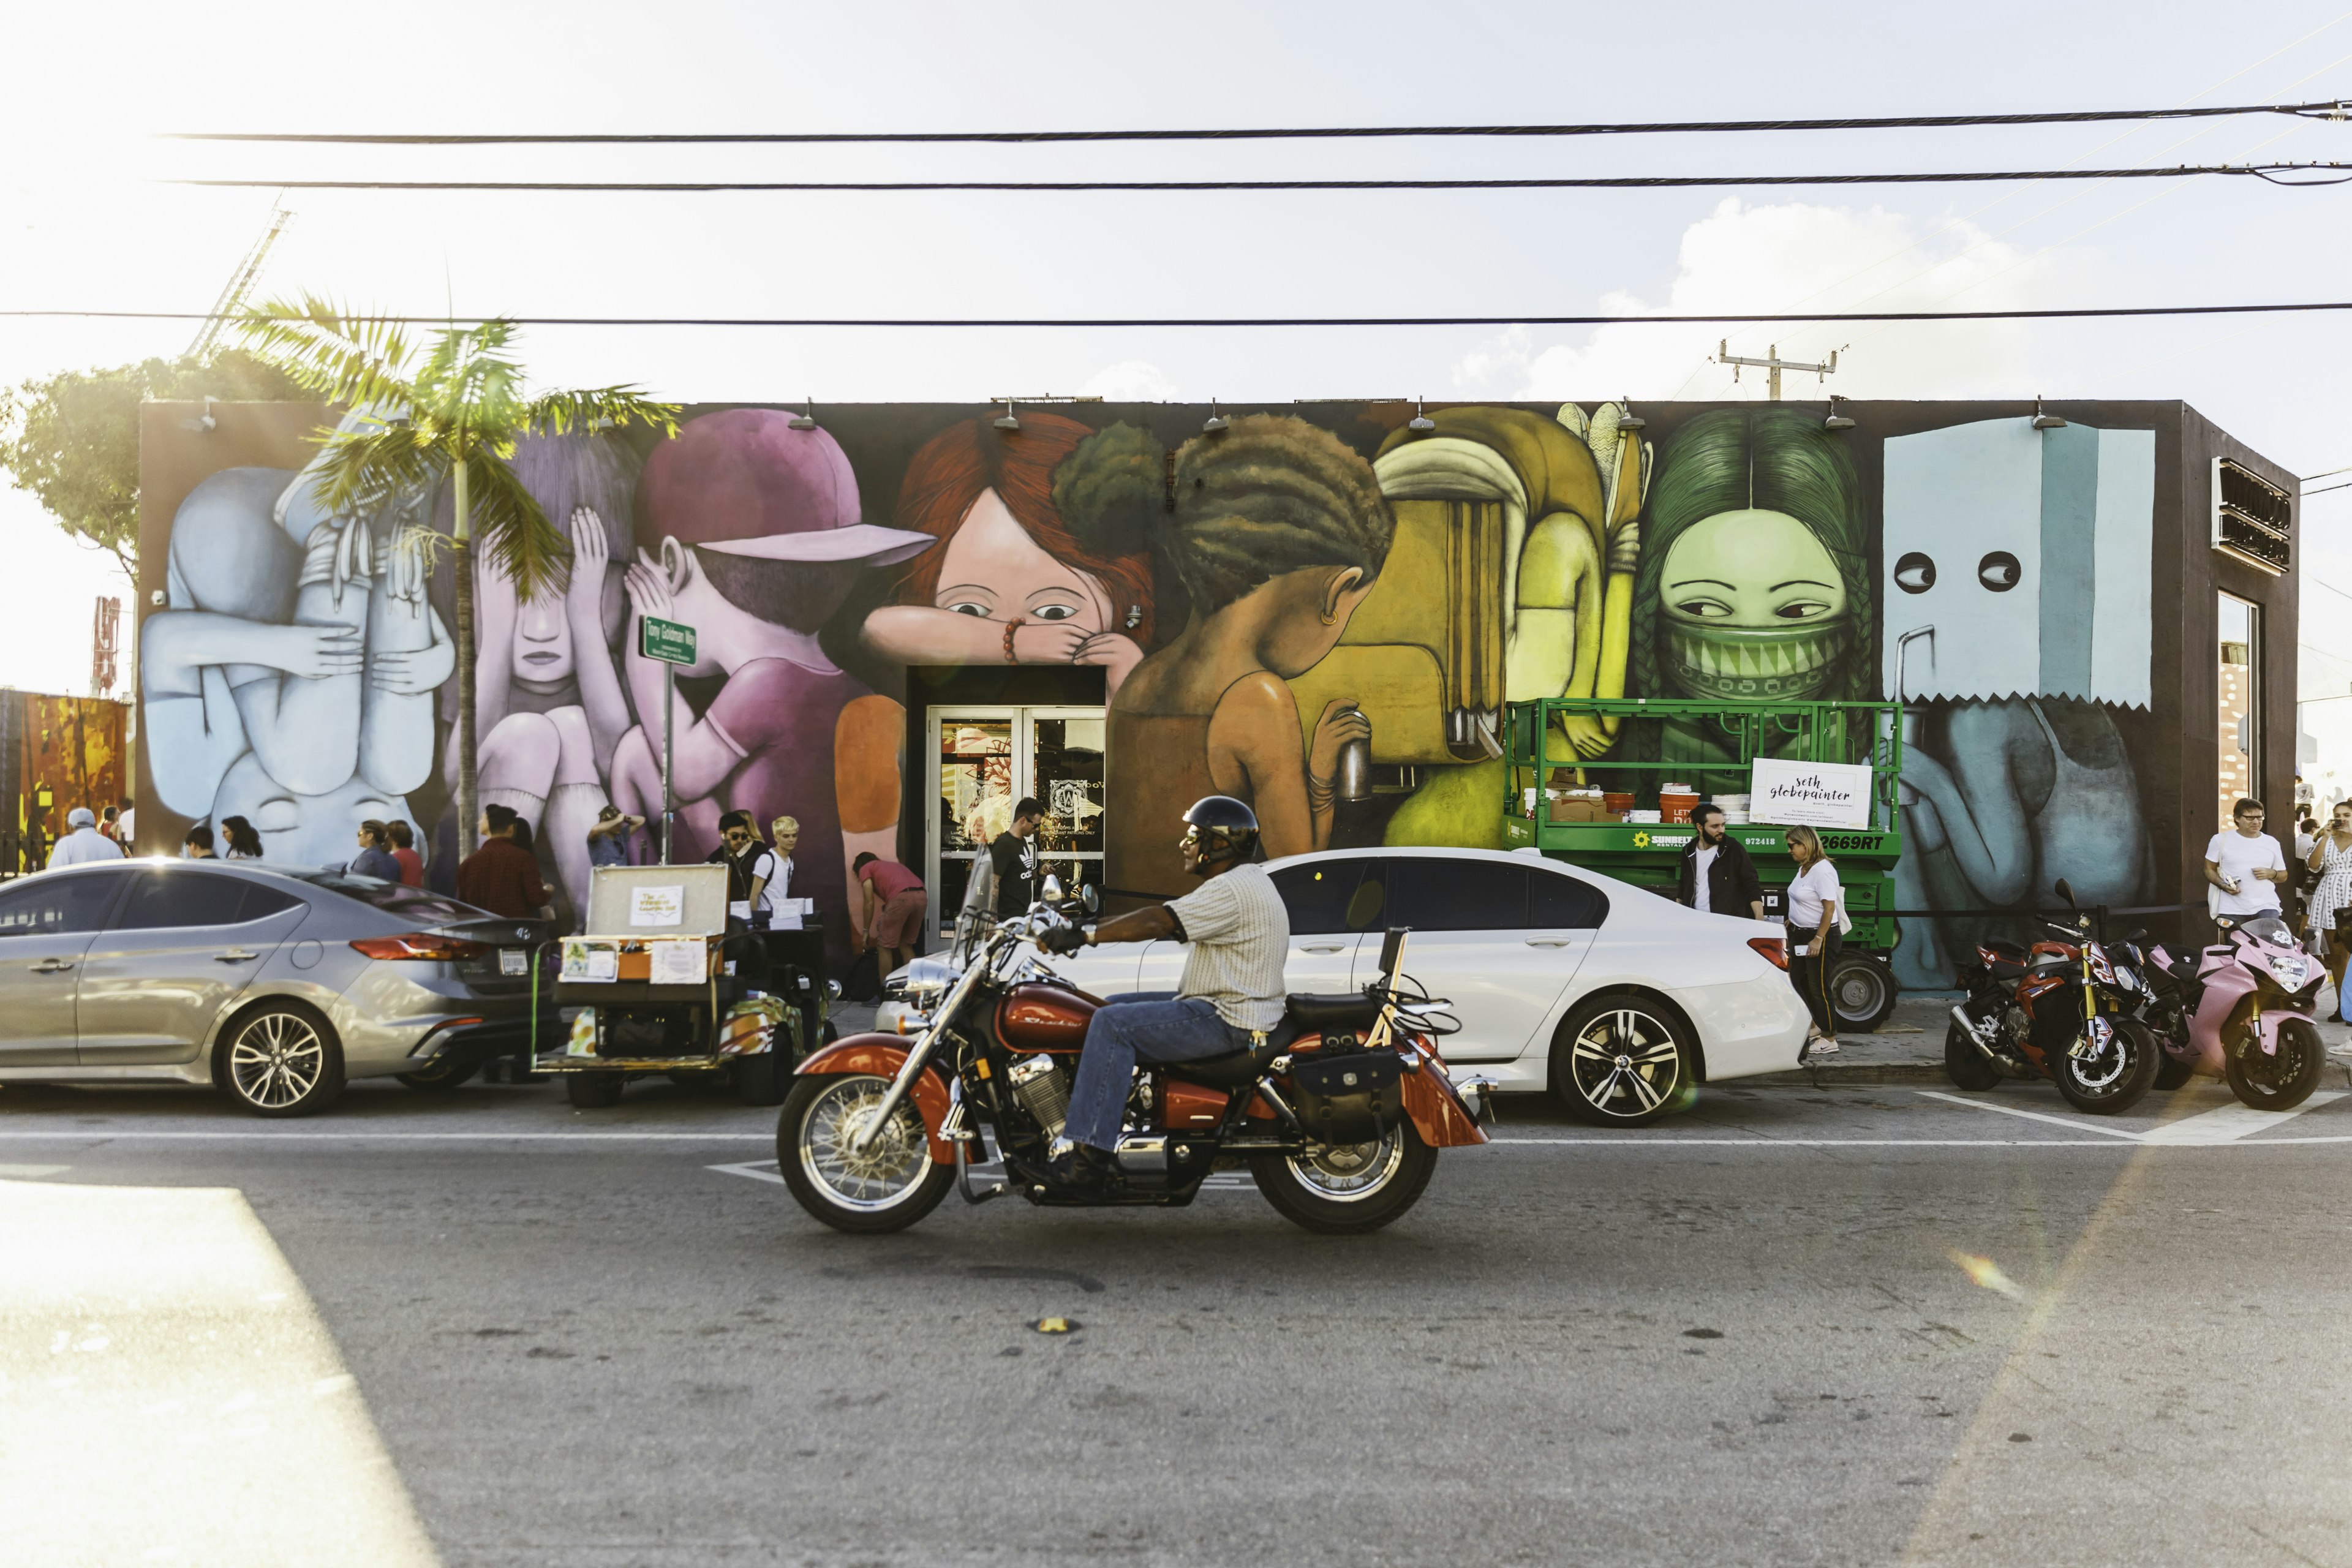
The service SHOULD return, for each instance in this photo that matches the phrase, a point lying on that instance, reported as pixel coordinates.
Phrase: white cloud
(1130, 380)
(1798, 255)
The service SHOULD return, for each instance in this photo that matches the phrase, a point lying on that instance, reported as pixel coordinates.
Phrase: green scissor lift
(1734, 735)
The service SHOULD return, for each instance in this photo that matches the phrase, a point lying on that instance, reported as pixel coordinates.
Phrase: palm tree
(452, 414)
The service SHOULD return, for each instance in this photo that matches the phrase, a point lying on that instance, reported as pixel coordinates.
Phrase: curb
(1844, 1074)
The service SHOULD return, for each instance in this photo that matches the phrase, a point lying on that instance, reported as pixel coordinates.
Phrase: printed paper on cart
(657, 905)
(1817, 795)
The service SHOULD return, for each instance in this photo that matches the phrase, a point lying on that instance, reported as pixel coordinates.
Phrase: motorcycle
(2066, 1010)
(1338, 1112)
(2242, 1010)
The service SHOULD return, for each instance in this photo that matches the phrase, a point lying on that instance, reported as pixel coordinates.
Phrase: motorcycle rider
(1230, 995)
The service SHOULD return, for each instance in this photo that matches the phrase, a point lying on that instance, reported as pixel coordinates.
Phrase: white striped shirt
(1239, 935)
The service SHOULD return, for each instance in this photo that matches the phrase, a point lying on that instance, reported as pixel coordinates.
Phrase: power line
(2269, 172)
(1716, 318)
(2333, 109)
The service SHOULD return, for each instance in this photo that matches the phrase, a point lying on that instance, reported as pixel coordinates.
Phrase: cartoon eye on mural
(2019, 571)
(1015, 580)
(291, 679)
(1280, 533)
(749, 530)
(1529, 524)
(548, 700)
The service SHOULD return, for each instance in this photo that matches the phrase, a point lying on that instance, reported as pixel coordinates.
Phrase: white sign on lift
(1815, 794)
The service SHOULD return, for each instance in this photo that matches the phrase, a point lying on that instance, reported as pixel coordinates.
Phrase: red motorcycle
(2063, 1010)
(1339, 1112)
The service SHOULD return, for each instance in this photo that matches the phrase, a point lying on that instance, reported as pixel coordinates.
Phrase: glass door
(2239, 719)
(982, 762)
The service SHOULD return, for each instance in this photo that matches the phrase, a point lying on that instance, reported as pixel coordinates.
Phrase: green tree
(447, 412)
(73, 440)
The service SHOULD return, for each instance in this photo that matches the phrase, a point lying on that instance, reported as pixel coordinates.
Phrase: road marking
(255, 1136)
(2029, 1115)
(2228, 1123)
(755, 1169)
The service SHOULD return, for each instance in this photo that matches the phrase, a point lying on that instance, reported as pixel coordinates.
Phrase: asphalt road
(1861, 1326)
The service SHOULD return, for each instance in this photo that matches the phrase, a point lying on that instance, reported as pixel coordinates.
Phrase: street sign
(672, 642)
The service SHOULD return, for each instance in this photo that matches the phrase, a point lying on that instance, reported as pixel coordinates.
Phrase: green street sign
(672, 642)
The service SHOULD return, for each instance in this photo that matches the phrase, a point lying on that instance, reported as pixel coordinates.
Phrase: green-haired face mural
(1754, 578)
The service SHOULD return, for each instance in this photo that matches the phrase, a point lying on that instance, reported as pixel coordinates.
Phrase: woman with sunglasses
(751, 868)
(1815, 898)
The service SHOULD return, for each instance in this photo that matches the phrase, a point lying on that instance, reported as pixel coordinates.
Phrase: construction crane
(240, 284)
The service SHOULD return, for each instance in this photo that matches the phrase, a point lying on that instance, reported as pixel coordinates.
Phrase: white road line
(1813, 1143)
(255, 1136)
(2030, 1115)
(756, 1170)
(2228, 1123)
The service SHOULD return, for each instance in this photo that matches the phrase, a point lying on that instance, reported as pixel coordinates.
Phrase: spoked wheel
(2279, 1083)
(1345, 1189)
(281, 1059)
(887, 1186)
(440, 1076)
(1620, 1061)
(2111, 1075)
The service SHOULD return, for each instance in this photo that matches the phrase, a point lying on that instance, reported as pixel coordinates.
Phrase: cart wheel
(1862, 992)
(761, 1079)
(593, 1091)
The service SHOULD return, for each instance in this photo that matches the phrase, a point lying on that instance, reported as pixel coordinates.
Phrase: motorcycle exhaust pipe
(1968, 1026)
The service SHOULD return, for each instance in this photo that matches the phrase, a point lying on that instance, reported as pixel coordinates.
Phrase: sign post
(672, 643)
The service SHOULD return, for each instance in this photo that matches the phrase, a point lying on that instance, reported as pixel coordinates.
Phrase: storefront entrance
(982, 760)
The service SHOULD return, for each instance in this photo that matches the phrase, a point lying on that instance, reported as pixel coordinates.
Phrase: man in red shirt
(502, 877)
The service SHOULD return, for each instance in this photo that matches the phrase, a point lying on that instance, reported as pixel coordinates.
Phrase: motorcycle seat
(2009, 950)
(2005, 968)
(1303, 1013)
(1344, 1010)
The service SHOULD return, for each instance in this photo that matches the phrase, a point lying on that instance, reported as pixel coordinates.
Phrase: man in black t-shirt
(1015, 854)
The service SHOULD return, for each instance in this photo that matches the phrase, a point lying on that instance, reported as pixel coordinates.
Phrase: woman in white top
(1815, 897)
(2331, 899)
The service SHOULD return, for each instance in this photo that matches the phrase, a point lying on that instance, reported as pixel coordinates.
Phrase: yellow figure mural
(1511, 577)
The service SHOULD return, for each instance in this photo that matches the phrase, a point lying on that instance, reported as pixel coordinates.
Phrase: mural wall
(1321, 610)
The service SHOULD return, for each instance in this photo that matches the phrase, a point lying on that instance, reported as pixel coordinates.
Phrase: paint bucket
(1618, 803)
(1674, 807)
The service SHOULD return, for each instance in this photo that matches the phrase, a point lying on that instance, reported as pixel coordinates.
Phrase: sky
(84, 223)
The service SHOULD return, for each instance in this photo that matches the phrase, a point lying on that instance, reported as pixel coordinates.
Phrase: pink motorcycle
(2242, 1009)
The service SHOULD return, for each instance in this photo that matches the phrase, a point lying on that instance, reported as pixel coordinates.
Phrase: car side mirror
(1051, 889)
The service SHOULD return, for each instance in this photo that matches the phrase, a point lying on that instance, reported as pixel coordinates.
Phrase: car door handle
(1322, 949)
(234, 955)
(52, 966)
(1547, 942)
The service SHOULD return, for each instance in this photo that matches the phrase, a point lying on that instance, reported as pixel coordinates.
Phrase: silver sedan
(273, 983)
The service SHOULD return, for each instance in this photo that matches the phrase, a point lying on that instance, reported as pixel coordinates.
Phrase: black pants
(1810, 974)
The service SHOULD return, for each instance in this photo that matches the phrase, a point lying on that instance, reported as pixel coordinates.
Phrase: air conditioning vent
(2253, 519)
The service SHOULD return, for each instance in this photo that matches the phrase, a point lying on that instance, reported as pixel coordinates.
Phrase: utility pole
(1773, 364)
(240, 284)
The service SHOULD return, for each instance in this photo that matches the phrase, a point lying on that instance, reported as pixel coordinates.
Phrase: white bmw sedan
(1618, 1001)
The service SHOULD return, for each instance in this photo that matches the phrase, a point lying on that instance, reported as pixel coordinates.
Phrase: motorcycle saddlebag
(1353, 1098)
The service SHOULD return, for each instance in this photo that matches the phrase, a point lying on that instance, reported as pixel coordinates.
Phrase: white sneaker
(1821, 1047)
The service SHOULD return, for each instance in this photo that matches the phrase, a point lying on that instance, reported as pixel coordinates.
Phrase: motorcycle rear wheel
(1347, 1190)
(1965, 1065)
(2278, 1082)
(888, 1187)
(2172, 1073)
(2115, 1078)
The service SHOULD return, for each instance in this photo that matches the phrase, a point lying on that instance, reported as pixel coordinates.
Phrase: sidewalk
(1910, 1047)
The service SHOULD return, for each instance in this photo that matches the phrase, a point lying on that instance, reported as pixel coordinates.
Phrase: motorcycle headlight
(2290, 972)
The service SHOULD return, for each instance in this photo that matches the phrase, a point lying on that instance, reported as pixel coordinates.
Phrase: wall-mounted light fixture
(1215, 424)
(1629, 420)
(1421, 423)
(2045, 421)
(1008, 420)
(1836, 421)
(806, 418)
(203, 422)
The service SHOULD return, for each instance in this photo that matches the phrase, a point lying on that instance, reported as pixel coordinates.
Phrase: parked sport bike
(2064, 1010)
(1339, 1112)
(2242, 1010)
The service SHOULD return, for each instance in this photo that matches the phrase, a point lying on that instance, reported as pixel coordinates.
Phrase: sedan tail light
(420, 945)
(1775, 951)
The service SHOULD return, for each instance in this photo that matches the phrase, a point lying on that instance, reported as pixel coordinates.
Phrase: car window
(165, 900)
(1557, 901)
(1318, 895)
(56, 906)
(409, 903)
(262, 900)
(1440, 893)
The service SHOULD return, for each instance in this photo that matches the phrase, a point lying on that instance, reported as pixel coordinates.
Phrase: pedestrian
(84, 843)
(1717, 878)
(1014, 857)
(198, 845)
(502, 876)
(2244, 869)
(244, 843)
(124, 832)
(2327, 919)
(404, 850)
(786, 832)
(750, 869)
(2307, 833)
(374, 858)
(893, 908)
(1816, 920)
(105, 823)
(608, 840)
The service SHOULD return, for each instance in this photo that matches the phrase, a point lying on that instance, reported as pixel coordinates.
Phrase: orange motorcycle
(1338, 1112)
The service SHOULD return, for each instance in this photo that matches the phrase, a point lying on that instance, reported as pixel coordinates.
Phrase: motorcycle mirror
(1393, 950)
(1051, 889)
(2066, 891)
(1091, 896)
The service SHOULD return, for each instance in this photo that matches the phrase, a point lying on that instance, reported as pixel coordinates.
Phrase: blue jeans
(1148, 1026)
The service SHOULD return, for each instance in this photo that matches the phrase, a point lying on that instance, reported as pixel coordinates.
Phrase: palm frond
(513, 532)
(343, 358)
(359, 470)
(598, 407)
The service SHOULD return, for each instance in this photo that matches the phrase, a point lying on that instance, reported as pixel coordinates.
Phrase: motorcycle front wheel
(2111, 1079)
(887, 1186)
(1348, 1189)
(2278, 1082)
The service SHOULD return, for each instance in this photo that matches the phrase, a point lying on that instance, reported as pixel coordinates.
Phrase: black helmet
(1225, 824)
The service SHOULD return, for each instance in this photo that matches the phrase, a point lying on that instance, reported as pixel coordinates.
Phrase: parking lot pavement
(1794, 1325)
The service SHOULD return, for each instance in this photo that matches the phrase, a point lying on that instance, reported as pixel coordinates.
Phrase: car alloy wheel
(282, 1062)
(1620, 1062)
